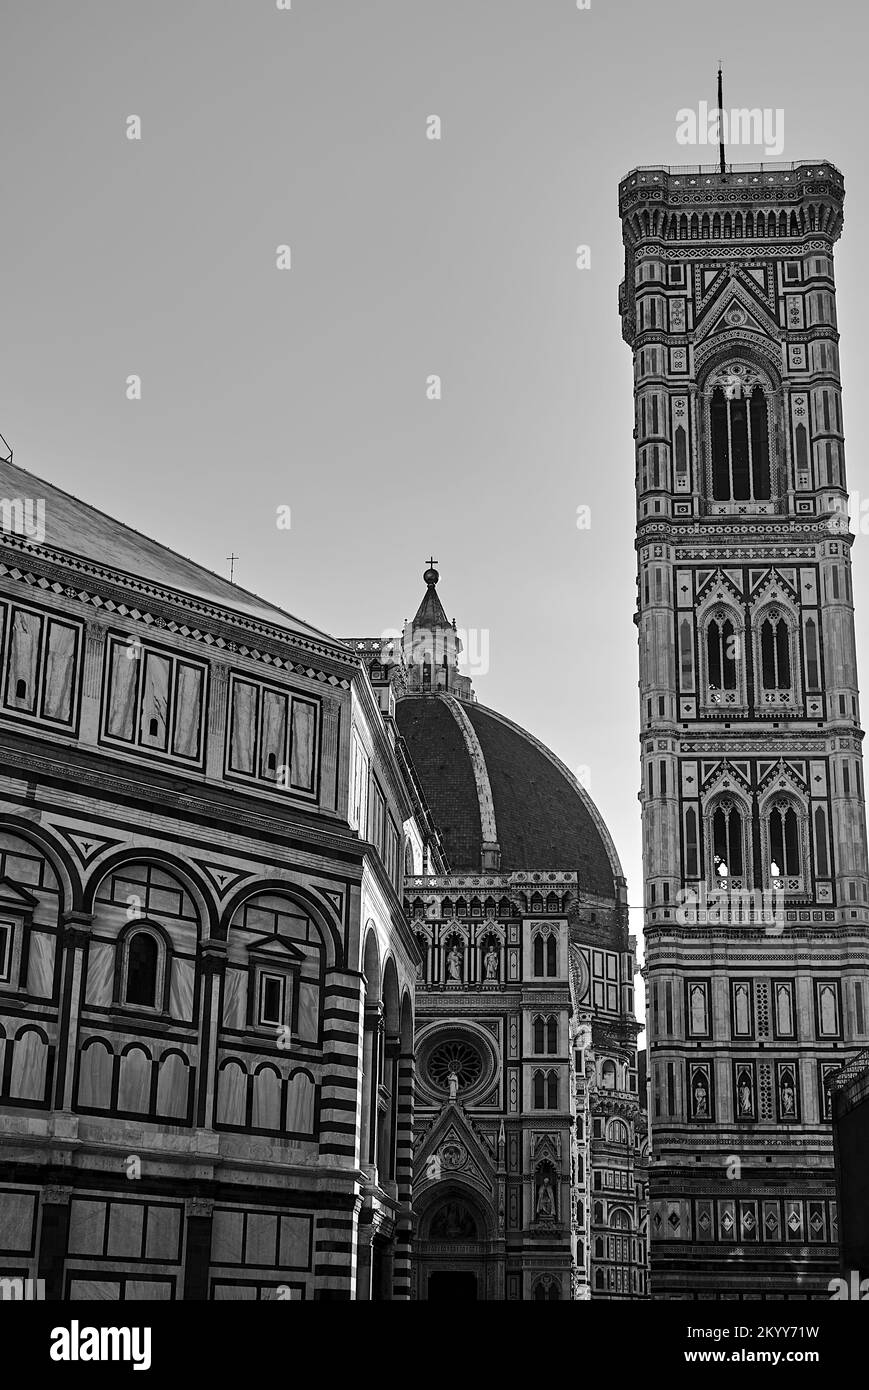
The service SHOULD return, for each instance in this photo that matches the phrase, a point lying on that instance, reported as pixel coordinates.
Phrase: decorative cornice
(110, 595)
(170, 803)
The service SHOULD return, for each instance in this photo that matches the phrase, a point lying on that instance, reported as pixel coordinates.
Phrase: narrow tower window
(692, 869)
(775, 653)
(784, 841)
(721, 645)
(727, 841)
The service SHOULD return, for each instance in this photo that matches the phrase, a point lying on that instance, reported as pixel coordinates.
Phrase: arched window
(545, 954)
(552, 1090)
(143, 958)
(539, 1091)
(539, 1035)
(784, 839)
(727, 840)
(739, 425)
(538, 955)
(617, 1133)
(692, 861)
(552, 1035)
(775, 659)
(551, 956)
(721, 652)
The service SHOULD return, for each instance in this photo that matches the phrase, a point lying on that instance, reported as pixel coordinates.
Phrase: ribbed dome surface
(468, 757)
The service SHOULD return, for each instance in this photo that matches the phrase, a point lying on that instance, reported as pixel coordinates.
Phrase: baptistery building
(206, 971)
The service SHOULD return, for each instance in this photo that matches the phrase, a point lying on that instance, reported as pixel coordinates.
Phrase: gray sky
(306, 388)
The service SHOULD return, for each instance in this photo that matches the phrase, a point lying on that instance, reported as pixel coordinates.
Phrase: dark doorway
(452, 1285)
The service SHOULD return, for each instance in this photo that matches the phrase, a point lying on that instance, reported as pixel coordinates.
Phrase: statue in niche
(453, 1083)
(698, 1009)
(701, 1096)
(545, 1199)
(490, 962)
(744, 1094)
(788, 1096)
(454, 963)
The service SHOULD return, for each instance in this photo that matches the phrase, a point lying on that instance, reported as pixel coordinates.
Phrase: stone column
(212, 965)
(371, 1085)
(401, 1274)
(364, 1257)
(75, 935)
(53, 1240)
(199, 1213)
(92, 682)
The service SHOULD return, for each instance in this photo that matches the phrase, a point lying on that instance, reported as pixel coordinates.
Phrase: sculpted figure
(490, 961)
(545, 1198)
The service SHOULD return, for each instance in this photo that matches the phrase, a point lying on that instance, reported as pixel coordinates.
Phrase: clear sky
(266, 388)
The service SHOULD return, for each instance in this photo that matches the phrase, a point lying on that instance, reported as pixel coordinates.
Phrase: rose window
(456, 1056)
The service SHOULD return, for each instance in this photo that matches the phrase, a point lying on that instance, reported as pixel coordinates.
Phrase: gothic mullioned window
(775, 652)
(721, 650)
(545, 1090)
(727, 837)
(545, 953)
(739, 435)
(776, 657)
(722, 640)
(784, 840)
(546, 1034)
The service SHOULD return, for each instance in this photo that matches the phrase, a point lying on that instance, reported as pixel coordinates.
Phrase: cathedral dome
(492, 786)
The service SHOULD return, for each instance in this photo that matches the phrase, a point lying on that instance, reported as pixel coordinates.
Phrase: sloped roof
(80, 529)
(430, 614)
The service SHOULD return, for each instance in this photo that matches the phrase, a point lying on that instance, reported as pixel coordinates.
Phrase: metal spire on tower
(721, 162)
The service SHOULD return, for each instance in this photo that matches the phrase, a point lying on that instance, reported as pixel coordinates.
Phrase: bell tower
(754, 838)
